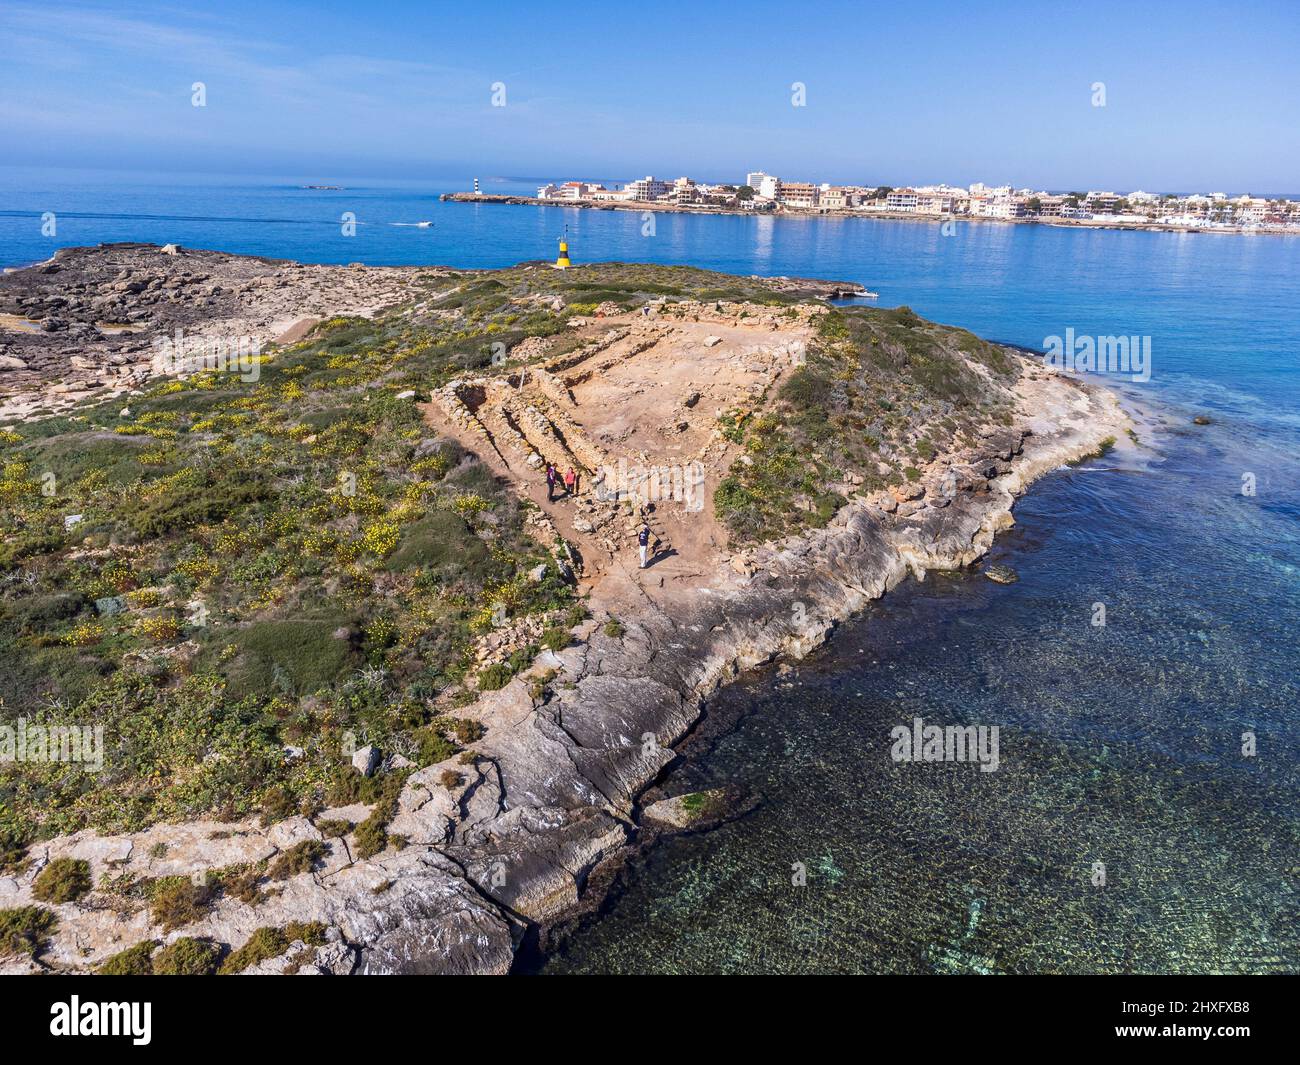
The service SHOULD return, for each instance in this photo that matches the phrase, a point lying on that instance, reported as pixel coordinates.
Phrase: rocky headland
(448, 854)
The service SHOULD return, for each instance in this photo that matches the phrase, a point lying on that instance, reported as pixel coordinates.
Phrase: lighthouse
(563, 263)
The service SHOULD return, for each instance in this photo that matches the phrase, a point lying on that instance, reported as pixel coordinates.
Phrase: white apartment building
(902, 200)
(754, 179)
(942, 199)
(1102, 202)
(570, 190)
(770, 187)
(996, 207)
(648, 189)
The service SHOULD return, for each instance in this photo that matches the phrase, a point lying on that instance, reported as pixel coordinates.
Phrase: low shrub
(63, 880)
(26, 930)
(134, 961)
(187, 957)
(269, 942)
(300, 858)
(556, 639)
(494, 677)
(175, 901)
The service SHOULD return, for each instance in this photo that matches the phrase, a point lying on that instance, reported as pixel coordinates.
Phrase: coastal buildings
(764, 192)
(648, 189)
(903, 200)
(798, 194)
(570, 190)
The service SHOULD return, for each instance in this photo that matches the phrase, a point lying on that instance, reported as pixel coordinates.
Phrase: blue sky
(1198, 95)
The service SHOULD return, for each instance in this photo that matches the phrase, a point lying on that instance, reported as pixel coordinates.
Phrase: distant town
(762, 192)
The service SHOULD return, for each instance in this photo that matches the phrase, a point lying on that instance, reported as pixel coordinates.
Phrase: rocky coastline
(531, 829)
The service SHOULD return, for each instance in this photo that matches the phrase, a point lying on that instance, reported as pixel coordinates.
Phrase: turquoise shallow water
(1120, 745)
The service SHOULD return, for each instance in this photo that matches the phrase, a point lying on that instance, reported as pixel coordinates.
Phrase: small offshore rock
(698, 810)
(1001, 574)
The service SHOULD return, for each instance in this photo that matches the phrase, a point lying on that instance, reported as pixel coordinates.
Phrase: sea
(1143, 672)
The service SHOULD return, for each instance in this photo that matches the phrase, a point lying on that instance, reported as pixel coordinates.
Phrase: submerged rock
(697, 810)
(1001, 574)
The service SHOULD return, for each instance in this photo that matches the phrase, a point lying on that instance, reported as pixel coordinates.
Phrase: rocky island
(371, 697)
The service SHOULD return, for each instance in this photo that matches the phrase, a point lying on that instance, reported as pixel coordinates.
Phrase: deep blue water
(1120, 744)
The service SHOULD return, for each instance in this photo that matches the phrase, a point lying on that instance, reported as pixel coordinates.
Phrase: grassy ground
(880, 393)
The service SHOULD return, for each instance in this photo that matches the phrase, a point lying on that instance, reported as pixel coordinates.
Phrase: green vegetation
(63, 880)
(26, 930)
(300, 858)
(371, 836)
(187, 957)
(283, 562)
(878, 388)
(271, 943)
(264, 564)
(493, 677)
(175, 901)
(556, 639)
(134, 961)
(1100, 451)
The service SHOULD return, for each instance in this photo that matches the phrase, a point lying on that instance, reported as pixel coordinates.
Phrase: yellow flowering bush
(469, 503)
(14, 482)
(154, 456)
(432, 467)
(160, 628)
(380, 537)
(319, 541)
(199, 569)
(116, 577)
(84, 634)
